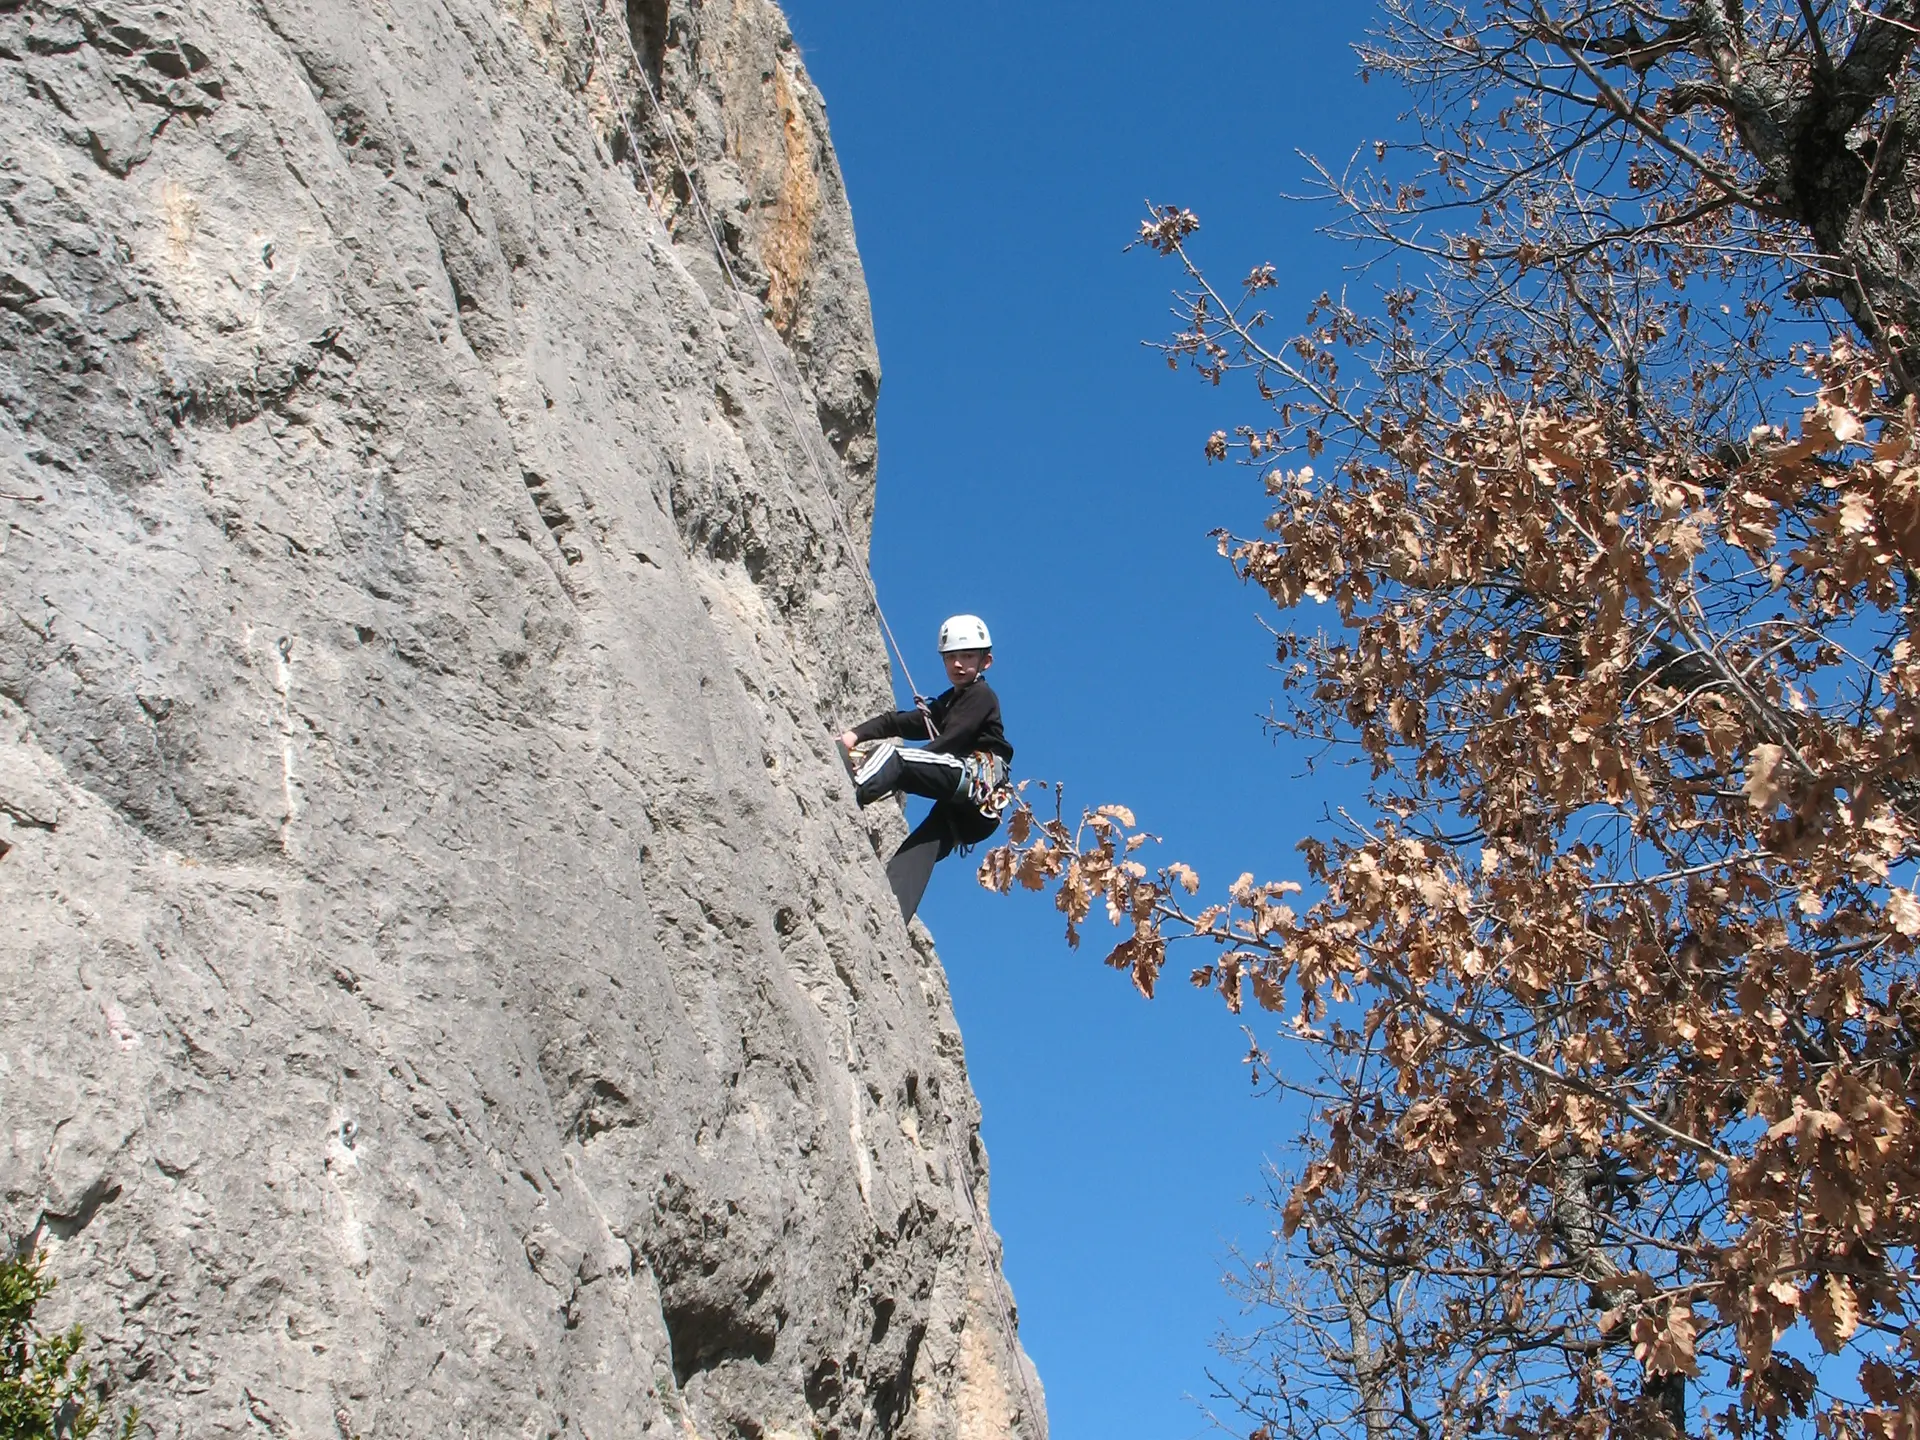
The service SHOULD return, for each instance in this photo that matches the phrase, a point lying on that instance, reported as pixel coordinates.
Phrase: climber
(962, 769)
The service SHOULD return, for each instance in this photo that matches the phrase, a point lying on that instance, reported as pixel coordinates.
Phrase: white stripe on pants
(893, 767)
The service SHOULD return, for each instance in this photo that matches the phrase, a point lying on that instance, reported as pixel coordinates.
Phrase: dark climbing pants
(911, 867)
(952, 822)
(918, 772)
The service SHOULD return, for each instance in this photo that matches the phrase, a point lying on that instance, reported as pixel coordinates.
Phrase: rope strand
(801, 432)
(1000, 1297)
(1002, 1301)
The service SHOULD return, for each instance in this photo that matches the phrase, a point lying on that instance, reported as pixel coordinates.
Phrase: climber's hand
(848, 740)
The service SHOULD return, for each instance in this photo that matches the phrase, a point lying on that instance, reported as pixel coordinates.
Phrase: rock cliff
(445, 985)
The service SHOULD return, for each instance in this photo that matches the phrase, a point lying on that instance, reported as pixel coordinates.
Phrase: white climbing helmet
(964, 632)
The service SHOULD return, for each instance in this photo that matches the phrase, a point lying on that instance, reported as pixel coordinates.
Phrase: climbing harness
(987, 787)
(740, 295)
(983, 779)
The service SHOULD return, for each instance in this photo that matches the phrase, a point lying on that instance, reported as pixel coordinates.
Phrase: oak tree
(1595, 544)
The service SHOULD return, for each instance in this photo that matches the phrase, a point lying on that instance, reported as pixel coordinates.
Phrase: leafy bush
(45, 1389)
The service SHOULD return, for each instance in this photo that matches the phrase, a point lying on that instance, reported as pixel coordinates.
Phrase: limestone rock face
(445, 985)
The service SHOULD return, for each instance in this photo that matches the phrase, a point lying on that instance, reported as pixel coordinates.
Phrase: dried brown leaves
(1645, 1028)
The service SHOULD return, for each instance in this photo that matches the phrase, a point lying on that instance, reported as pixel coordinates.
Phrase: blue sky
(1042, 468)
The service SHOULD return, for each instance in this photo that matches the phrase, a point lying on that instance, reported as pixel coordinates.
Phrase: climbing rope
(753, 318)
(1002, 1300)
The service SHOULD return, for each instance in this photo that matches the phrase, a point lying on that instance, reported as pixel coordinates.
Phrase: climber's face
(966, 666)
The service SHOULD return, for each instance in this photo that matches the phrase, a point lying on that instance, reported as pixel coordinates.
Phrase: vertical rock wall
(445, 986)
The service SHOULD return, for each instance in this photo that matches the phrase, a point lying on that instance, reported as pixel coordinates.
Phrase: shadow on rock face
(713, 1260)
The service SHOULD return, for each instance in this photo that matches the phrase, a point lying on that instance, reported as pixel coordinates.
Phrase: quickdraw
(988, 787)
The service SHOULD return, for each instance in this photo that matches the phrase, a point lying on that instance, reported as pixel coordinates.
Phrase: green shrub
(45, 1389)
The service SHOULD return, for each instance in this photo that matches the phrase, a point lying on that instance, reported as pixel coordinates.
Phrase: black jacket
(968, 720)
